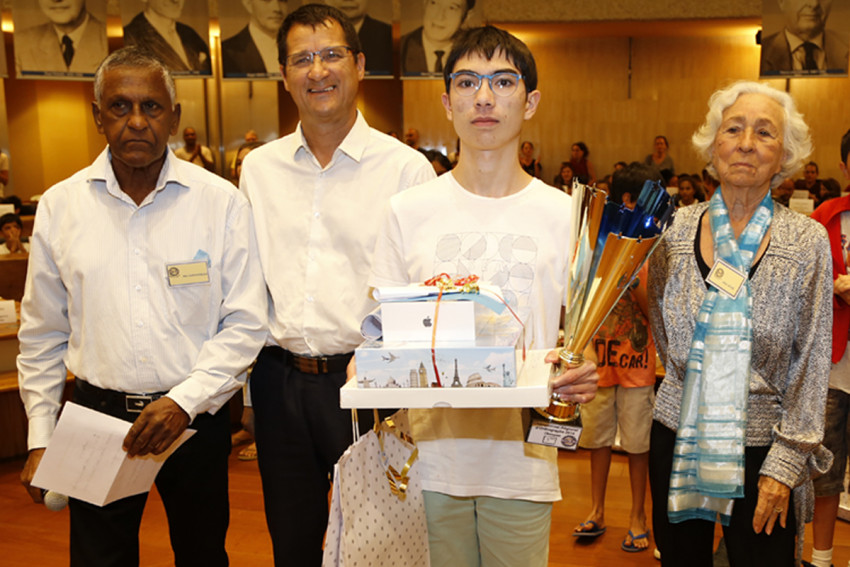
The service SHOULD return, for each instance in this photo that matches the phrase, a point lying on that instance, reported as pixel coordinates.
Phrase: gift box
(488, 361)
(421, 321)
(532, 390)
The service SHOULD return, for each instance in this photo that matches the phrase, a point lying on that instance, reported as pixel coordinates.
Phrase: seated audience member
(194, 152)
(527, 160)
(438, 160)
(580, 163)
(782, 193)
(810, 181)
(660, 159)
(673, 181)
(564, 179)
(709, 184)
(620, 165)
(11, 228)
(13, 200)
(830, 188)
(250, 136)
(834, 215)
(687, 194)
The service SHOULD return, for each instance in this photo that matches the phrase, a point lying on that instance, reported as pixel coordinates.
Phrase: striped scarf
(708, 458)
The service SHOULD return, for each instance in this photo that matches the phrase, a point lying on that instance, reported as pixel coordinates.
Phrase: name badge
(726, 278)
(188, 273)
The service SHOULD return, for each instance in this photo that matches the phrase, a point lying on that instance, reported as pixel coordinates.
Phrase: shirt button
(137, 251)
(138, 288)
(316, 214)
(140, 324)
(309, 299)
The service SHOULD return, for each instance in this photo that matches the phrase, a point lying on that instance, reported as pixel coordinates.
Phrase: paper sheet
(84, 459)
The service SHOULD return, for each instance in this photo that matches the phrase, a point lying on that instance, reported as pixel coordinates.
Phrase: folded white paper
(84, 458)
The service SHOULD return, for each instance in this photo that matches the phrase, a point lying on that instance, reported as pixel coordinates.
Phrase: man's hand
(841, 288)
(577, 385)
(29, 471)
(156, 428)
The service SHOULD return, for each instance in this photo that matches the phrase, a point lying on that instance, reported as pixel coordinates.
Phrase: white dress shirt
(98, 300)
(317, 227)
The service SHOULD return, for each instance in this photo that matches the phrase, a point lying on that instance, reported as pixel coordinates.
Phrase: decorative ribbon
(468, 284)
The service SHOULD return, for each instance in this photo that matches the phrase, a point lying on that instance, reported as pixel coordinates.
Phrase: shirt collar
(75, 36)
(161, 24)
(795, 41)
(353, 145)
(101, 170)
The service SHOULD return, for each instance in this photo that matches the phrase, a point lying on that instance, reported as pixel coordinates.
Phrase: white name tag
(188, 273)
(726, 278)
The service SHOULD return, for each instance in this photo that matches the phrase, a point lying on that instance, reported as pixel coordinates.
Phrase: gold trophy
(610, 245)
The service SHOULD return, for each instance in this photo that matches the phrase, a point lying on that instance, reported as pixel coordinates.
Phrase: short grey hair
(136, 58)
(796, 141)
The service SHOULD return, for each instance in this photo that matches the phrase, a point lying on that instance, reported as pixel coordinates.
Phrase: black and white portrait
(427, 30)
(373, 21)
(59, 38)
(805, 38)
(249, 37)
(176, 31)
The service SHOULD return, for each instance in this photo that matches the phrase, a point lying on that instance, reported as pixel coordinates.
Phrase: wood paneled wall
(589, 94)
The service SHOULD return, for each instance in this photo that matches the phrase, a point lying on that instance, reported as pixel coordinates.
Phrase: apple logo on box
(426, 322)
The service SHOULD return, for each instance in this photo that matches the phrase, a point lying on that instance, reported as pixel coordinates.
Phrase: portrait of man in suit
(805, 45)
(176, 44)
(423, 51)
(376, 36)
(253, 51)
(69, 40)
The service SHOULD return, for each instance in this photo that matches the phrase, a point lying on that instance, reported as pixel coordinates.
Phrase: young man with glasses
(318, 196)
(488, 494)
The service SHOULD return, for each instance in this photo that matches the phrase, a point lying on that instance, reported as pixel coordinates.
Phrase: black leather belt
(318, 364)
(133, 403)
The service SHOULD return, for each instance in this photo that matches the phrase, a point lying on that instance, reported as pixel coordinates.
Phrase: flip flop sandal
(594, 531)
(631, 547)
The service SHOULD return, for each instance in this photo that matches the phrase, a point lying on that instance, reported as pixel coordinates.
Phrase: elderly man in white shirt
(318, 195)
(144, 282)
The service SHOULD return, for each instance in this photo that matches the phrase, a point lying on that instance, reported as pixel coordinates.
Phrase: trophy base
(552, 431)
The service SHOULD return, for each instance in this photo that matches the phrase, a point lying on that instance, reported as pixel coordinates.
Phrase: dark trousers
(691, 543)
(193, 487)
(301, 432)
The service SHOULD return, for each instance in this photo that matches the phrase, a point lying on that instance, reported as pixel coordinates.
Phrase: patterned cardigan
(792, 325)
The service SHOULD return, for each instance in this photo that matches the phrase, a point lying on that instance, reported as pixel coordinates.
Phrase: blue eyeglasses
(467, 83)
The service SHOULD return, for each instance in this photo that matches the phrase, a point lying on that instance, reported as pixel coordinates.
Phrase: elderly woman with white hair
(740, 305)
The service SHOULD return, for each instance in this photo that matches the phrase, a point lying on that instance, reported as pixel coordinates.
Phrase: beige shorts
(631, 408)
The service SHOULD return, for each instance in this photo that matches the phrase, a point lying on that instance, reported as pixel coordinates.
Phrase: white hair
(796, 142)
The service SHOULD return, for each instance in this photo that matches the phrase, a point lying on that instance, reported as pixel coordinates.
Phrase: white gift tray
(532, 390)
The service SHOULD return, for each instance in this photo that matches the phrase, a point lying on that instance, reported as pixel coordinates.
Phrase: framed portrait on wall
(249, 37)
(59, 40)
(427, 30)
(175, 31)
(804, 39)
(373, 21)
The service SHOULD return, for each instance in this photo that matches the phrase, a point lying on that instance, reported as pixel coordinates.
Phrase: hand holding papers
(84, 458)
